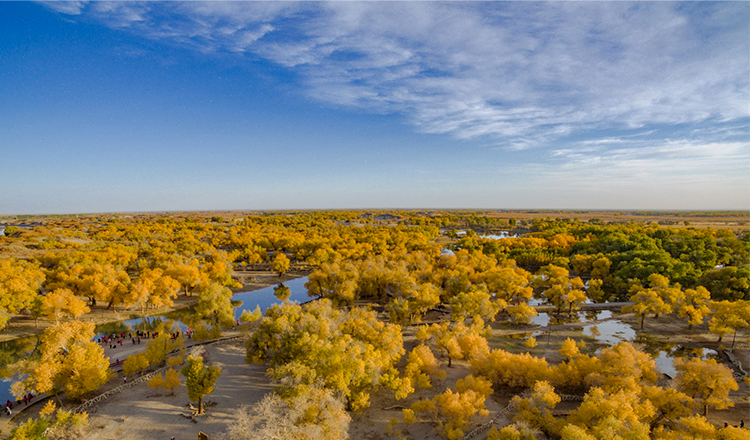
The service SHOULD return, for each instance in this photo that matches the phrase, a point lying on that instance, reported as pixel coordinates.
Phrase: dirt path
(140, 413)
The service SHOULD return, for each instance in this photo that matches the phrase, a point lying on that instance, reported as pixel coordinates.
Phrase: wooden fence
(146, 377)
(486, 427)
(738, 375)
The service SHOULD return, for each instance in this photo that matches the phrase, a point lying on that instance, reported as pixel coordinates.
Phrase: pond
(500, 235)
(543, 319)
(10, 351)
(600, 326)
(263, 298)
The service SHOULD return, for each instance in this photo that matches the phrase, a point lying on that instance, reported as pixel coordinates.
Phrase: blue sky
(153, 106)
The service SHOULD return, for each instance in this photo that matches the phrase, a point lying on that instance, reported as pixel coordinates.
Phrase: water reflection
(263, 298)
(12, 351)
(610, 332)
(541, 319)
(544, 319)
(664, 352)
(500, 235)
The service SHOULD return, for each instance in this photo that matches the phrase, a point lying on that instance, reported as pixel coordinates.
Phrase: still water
(10, 351)
(602, 327)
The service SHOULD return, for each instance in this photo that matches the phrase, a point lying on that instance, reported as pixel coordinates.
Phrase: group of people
(115, 340)
(26, 399)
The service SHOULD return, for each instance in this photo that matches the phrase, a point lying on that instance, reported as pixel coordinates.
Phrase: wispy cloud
(513, 74)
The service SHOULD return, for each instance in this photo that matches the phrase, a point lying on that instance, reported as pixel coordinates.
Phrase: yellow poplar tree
(280, 263)
(706, 380)
(62, 302)
(20, 282)
(454, 409)
(536, 410)
(134, 364)
(613, 415)
(624, 367)
(421, 366)
(169, 381)
(729, 317)
(69, 361)
(694, 305)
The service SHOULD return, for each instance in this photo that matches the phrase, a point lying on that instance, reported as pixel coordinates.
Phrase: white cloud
(66, 7)
(515, 74)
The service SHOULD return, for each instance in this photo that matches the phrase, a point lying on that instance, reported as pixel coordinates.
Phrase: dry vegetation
(405, 342)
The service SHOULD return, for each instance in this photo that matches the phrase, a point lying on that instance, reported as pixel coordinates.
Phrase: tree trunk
(734, 337)
(643, 319)
(705, 410)
(200, 405)
(449, 361)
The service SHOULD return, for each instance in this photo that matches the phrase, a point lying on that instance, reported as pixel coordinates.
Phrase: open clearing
(140, 413)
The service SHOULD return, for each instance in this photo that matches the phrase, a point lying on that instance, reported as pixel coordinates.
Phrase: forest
(419, 324)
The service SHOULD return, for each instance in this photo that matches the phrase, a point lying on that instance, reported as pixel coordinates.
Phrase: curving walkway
(121, 353)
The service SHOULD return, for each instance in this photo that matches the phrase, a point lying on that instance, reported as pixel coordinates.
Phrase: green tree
(199, 379)
(215, 303)
(727, 283)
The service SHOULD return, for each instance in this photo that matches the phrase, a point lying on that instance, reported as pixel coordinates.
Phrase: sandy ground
(140, 413)
(373, 423)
